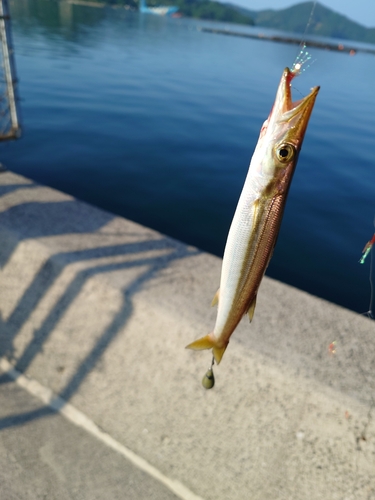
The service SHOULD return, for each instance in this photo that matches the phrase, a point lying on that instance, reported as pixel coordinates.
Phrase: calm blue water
(154, 120)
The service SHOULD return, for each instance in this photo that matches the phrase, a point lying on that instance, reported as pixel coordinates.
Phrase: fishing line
(303, 56)
(365, 252)
(310, 19)
(369, 312)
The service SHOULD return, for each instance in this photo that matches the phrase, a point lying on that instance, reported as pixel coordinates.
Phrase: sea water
(156, 120)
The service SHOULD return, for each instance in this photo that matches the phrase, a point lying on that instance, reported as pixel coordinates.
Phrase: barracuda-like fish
(256, 223)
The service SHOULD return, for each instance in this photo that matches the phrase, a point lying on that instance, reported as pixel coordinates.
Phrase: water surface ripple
(155, 120)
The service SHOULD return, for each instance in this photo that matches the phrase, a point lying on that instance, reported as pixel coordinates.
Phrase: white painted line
(81, 420)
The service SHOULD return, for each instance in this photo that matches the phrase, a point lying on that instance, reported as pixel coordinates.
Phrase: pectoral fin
(251, 310)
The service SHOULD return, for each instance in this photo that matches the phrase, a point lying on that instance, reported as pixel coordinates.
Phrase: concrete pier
(99, 398)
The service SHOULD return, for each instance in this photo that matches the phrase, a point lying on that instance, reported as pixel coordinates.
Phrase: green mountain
(325, 22)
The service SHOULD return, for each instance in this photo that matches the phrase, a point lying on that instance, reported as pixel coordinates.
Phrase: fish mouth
(284, 94)
(295, 114)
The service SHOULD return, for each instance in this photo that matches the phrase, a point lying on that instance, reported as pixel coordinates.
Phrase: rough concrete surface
(47, 457)
(99, 309)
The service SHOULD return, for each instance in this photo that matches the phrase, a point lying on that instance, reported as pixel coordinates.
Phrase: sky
(361, 11)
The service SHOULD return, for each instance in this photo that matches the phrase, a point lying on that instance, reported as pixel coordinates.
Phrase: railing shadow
(150, 266)
(35, 219)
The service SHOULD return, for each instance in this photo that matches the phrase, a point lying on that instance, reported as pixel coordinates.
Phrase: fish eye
(285, 152)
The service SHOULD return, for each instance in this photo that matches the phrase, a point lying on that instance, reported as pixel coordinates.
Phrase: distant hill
(325, 22)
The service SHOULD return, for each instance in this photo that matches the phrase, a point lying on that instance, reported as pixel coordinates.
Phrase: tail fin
(208, 342)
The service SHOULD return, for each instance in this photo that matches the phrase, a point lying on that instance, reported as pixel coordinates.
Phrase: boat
(160, 10)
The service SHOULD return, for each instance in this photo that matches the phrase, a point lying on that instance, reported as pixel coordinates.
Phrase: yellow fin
(215, 300)
(251, 310)
(208, 342)
(202, 343)
(218, 353)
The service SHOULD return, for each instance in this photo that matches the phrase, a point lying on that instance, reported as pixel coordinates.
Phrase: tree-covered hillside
(324, 22)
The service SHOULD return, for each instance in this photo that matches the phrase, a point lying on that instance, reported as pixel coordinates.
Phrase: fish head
(283, 132)
(288, 120)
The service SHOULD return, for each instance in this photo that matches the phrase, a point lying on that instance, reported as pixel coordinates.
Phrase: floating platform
(339, 47)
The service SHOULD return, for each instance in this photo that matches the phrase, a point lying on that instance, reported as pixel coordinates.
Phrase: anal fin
(202, 343)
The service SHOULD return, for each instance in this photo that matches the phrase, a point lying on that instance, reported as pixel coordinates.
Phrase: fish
(256, 223)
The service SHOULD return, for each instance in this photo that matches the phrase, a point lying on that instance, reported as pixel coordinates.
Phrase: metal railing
(10, 127)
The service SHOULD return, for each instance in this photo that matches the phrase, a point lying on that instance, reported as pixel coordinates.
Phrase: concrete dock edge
(98, 309)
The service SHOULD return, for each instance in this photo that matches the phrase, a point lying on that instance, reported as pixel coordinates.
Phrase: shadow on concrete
(62, 218)
(42, 219)
(15, 187)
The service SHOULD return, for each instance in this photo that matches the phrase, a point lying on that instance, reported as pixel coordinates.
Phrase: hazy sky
(361, 11)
